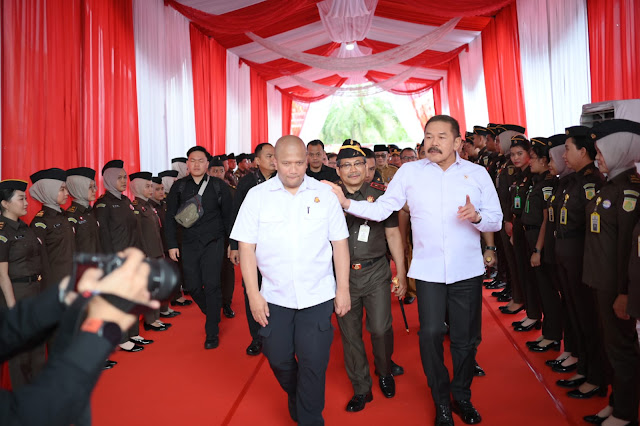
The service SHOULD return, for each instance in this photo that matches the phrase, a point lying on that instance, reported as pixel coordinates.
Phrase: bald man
(291, 228)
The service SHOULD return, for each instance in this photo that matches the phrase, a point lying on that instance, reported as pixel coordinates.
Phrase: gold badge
(629, 204)
(40, 213)
(316, 200)
(370, 199)
(546, 192)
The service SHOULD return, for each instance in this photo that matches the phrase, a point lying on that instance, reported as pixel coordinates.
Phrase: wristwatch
(535, 250)
(479, 218)
(493, 248)
(108, 330)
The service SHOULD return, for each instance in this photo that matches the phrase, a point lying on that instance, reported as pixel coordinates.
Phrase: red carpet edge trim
(243, 392)
(533, 369)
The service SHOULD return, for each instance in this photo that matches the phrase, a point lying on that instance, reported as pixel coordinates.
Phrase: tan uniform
(387, 172)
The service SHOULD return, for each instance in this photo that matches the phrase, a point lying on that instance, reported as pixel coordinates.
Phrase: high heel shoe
(517, 323)
(150, 327)
(537, 325)
(554, 362)
(555, 345)
(565, 369)
(505, 310)
(601, 391)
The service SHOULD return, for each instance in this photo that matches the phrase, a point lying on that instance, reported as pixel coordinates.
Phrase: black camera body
(163, 276)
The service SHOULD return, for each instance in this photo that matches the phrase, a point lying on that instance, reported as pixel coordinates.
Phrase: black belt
(31, 279)
(358, 266)
(531, 227)
(569, 234)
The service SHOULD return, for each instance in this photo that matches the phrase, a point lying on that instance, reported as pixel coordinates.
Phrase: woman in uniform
(20, 269)
(51, 225)
(569, 215)
(611, 216)
(81, 185)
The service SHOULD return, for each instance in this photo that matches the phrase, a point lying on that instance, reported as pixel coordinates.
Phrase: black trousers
(463, 300)
(531, 304)
(623, 352)
(201, 264)
(297, 343)
(228, 276)
(514, 279)
(254, 327)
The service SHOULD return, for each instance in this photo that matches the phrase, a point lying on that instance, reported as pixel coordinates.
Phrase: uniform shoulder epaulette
(99, 205)
(72, 209)
(40, 225)
(134, 202)
(378, 186)
(40, 213)
(588, 172)
(72, 219)
(634, 178)
(1, 225)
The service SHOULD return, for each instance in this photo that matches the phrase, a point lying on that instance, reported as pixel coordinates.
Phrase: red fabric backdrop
(209, 67)
(503, 78)
(437, 99)
(259, 120)
(287, 110)
(454, 92)
(614, 49)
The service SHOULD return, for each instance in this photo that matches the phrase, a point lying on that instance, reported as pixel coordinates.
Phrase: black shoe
(505, 310)
(594, 419)
(255, 348)
(500, 293)
(141, 341)
(506, 297)
(478, 371)
(565, 369)
(185, 303)
(571, 383)
(490, 282)
(495, 284)
(555, 345)
(212, 342)
(227, 311)
(112, 363)
(531, 343)
(108, 365)
(466, 411)
(396, 370)
(169, 314)
(443, 416)
(409, 300)
(135, 348)
(537, 325)
(293, 409)
(387, 386)
(517, 323)
(165, 324)
(358, 402)
(149, 327)
(601, 391)
(554, 362)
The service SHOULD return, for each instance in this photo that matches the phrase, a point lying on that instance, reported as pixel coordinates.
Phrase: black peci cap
(231, 156)
(222, 157)
(521, 141)
(168, 173)
(350, 149)
(482, 131)
(140, 175)
(82, 171)
(380, 148)
(513, 127)
(215, 162)
(13, 184)
(394, 149)
(157, 180)
(557, 140)
(610, 127)
(54, 173)
(113, 164)
(539, 140)
(573, 131)
(179, 160)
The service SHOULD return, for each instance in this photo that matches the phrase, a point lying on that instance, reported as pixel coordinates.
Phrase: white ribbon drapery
(347, 20)
(379, 60)
(473, 88)
(274, 113)
(238, 106)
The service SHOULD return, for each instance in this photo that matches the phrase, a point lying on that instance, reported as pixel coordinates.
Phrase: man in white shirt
(452, 201)
(288, 227)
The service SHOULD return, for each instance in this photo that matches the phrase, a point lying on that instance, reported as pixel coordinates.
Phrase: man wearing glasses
(316, 169)
(385, 169)
(408, 155)
(369, 282)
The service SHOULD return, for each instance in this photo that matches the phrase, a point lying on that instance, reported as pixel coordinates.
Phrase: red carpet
(175, 381)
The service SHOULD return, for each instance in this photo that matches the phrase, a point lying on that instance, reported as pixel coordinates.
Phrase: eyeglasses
(383, 155)
(357, 164)
(411, 158)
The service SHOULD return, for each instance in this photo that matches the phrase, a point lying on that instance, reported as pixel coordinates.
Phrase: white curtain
(347, 20)
(238, 106)
(444, 96)
(473, 88)
(274, 113)
(316, 116)
(554, 55)
(166, 120)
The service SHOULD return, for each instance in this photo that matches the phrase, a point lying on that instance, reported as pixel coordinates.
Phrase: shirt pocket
(271, 225)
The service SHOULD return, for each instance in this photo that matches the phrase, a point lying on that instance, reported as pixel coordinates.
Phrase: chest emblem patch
(370, 199)
(316, 200)
(606, 204)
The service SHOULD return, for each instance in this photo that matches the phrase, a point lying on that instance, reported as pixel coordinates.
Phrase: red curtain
(437, 99)
(614, 49)
(209, 67)
(503, 78)
(454, 92)
(287, 111)
(457, 8)
(259, 121)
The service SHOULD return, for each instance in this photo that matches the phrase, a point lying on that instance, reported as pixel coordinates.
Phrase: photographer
(61, 392)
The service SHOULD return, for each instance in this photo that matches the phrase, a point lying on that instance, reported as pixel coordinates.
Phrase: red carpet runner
(175, 381)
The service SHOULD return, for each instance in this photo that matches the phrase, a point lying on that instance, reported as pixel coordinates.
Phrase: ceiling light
(350, 46)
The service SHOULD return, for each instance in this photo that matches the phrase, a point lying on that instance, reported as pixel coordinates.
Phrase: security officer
(229, 176)
(51, 226)
(243, 167)
(21, 261)
(368, 283)
(612, 215)
(385, 169)
(81, 185)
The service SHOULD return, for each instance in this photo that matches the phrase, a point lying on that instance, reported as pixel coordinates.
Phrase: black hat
(140, 175)
(231, 156)
(168, 173)
(380, 148)
(394, 149)
(492, 127)
(539, 140)
(215, 162)
(513, 127)
(467, 136)
(179, 160)
(610, 127)
(157, 180)
(113, 164)
(251, 157)
(14, 184)
(82, 171)
(222, 157)
(482, 131)
(350, 149)
(521, 141)
(557, 140)
(572, 132)
(54, 173)
(241, 157)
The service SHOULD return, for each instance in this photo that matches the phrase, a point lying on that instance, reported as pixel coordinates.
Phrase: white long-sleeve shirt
(445, 248)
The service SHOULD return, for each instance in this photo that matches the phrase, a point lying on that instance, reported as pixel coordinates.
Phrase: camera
(163, 276)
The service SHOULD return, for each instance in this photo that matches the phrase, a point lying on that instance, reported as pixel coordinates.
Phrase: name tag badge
(595, 223)
(516, 202)
(526, 206)
(363, 234)
(551, 216)
(563, 216)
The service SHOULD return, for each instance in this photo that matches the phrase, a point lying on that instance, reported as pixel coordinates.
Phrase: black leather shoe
(443, 416)
(600, 391)
(478, 371)
(387, 386)
(108, 365)
(565, 369)
(293, 408)
(149, 327)
(212, 342)
(554, 362)
(505, 297)
(165, 324)
(396, 370)
(227, 311)
(555, 345)
(466, 411)
(537, 325)
(255, 348)
(490, 282)
(135, 348)
(594, 419)
(358, 402)
(495, 284)
(169, 314)
(517, 323)
(500, 293)
(141, 341)
(185, 303)
(505, 310)
(112, 363)
(571, 383)
(409, 300)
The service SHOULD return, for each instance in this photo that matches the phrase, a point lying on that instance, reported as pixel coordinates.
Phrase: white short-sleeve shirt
(293, 235)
